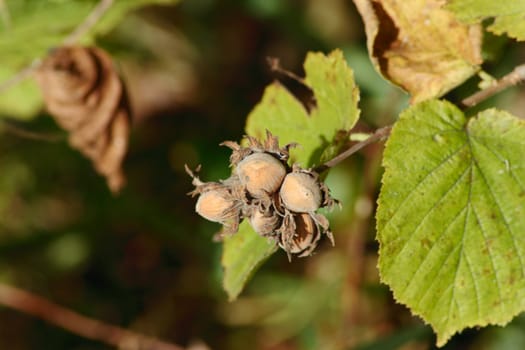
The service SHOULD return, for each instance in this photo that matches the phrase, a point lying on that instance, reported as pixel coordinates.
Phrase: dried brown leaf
(86, 96)
(419, 45)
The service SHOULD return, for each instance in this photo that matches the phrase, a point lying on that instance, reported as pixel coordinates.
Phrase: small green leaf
(39, 25)
(242, 254)
(336, 96)
(509, 15)
(451, 216)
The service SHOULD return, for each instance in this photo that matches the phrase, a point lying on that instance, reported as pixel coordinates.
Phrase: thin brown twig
(275, 66)
(27, 134)
(86, 327)
(92, 18)
(378, 135)
(517, 75)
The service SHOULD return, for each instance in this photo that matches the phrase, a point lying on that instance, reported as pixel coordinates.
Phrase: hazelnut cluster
(279, 201)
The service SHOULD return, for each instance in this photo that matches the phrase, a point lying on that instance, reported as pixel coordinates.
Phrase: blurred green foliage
(32, 27)
(144, 259)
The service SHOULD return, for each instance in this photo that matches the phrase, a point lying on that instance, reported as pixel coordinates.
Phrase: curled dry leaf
(86, 96)
(419, 45)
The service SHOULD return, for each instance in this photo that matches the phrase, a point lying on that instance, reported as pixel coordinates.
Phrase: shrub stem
(379, 135)
(86, 327)
(516, 76)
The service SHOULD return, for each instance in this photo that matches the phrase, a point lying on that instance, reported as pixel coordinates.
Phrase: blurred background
(144, 260)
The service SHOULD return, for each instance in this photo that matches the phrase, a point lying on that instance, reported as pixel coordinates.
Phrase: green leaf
(451, 216)
(336, 96)
(509, 15)
(242, 254)
(21, 101)
(39, 25)
(120, 9)
(36, 26)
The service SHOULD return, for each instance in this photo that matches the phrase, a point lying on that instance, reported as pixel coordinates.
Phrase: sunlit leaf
(509, 15)
(451, 216)
(242, 254)
(420, 46)
(336, 97)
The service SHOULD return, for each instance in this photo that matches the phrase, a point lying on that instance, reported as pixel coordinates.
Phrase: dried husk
(86, 97)
(270, 145)
(300, 234)
(265, 222)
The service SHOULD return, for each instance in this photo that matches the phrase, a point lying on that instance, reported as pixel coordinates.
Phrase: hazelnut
(216, 205)
(301, 193)
(264, 224)
(302, 238)
(261, 174)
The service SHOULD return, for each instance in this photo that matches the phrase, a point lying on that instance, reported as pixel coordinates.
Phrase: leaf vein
(474, 281)
(458, 181)
(446, 258)
(505, 221)
(462, 245)
(443, 162)
(498, 286)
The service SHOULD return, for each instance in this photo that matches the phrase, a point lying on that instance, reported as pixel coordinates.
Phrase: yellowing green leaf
(509, 15)
(336, 96)
(420, 46)
(242, 254)
(451, 216)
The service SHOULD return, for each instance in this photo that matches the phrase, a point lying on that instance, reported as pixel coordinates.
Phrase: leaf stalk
(379, 135)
